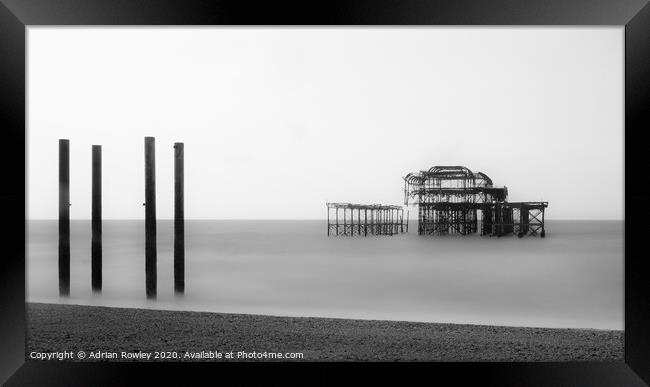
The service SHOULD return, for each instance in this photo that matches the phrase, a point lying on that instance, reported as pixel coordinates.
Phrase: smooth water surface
(571, 278)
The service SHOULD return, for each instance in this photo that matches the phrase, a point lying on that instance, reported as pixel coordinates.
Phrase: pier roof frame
(446, 172)
(364, 206)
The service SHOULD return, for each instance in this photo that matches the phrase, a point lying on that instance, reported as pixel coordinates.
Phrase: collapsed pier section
(449, 199)
(348, 219)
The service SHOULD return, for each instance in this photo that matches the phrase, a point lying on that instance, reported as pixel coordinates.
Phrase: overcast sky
(277, 121)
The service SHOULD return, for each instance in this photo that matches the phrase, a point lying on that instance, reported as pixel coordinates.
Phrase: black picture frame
(16, 15)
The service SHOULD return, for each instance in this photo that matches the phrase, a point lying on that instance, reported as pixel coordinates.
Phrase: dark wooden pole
(96, 243)
(64, 217)
(179, 219)
(150, 215)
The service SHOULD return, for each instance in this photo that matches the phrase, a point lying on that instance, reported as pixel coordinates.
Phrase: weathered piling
(96, 222)
(64, 217)
(150, 216)
(179, 219)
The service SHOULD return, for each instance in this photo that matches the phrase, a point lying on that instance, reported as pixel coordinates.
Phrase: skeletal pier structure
(449, 199)
(347, 219)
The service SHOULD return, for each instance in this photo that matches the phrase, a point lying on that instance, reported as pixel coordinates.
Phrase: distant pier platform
(349, 219)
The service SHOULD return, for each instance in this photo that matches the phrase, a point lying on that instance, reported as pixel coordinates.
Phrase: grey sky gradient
(277, 121)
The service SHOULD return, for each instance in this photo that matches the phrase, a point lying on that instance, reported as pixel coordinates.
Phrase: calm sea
(572, 278)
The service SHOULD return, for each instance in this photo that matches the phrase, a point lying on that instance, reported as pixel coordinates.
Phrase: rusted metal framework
(347, 219)
(449, 199)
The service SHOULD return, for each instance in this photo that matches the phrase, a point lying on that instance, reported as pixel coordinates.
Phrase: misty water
(571, 278)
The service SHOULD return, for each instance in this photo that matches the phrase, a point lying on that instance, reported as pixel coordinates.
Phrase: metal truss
(347, 219)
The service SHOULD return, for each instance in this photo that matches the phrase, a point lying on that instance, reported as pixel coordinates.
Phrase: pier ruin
(449, 199)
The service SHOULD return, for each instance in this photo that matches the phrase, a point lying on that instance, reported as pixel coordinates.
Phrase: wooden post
(96, 223)
(150, 216)
(64, 217)
(352, 221)
(179, 218)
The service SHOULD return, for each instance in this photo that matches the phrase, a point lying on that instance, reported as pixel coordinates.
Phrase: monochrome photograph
(346, 194)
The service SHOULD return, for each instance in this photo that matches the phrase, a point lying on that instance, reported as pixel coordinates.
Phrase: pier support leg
(328, 221)
(150, 216)
(96, 243)
(365, 222)
(523, 221)
(407, 220)
(359, 221)
(337, 221)
(179, 218)
(64, 217)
